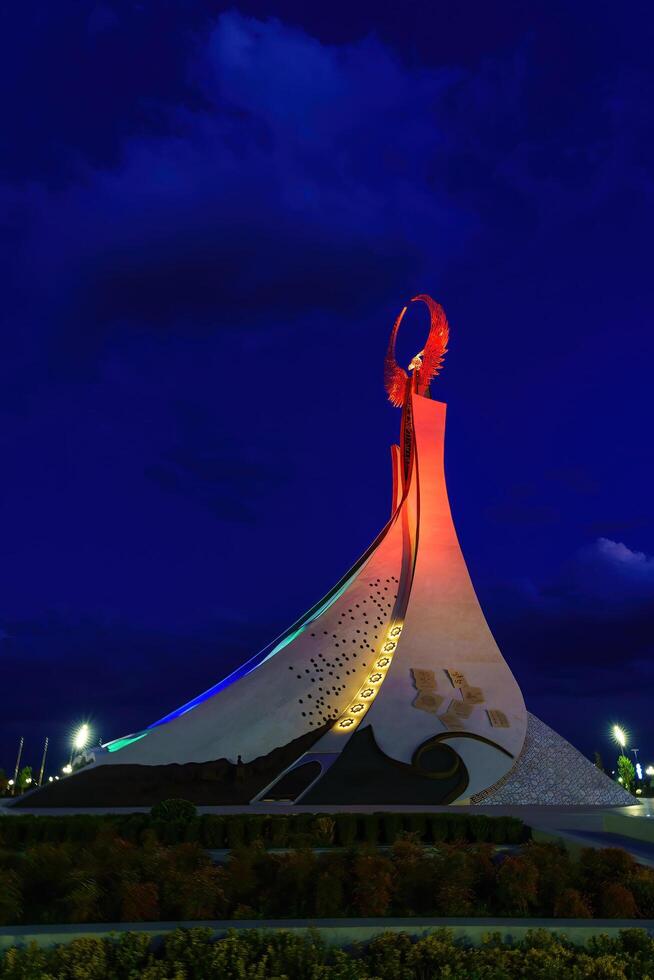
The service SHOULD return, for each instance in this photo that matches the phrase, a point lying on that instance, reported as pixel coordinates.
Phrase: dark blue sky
(210, 218)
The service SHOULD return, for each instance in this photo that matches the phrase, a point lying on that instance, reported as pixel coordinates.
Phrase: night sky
(210, 217)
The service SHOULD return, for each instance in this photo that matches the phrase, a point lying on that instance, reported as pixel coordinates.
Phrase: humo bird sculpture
(425, 365)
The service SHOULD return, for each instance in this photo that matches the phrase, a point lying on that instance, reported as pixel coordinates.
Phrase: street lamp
(619, 736)
(80, 740)
(81, 737)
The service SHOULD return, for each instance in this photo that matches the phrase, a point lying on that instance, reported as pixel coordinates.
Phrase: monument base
(551, 772)
(548, 772)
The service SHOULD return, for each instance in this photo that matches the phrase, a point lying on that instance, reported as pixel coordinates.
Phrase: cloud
(295, 181)
(589, 631)
(607, 574)
(253, 174)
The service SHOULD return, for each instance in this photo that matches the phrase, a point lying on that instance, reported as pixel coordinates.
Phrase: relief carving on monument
(425, 682)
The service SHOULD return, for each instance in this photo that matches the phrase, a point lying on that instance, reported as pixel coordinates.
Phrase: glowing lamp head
(81, 737)
(649, 771)
(619, 736)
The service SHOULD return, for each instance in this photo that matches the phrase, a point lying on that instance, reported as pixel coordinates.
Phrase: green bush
(457, 828)
(175, 821)
(278, 831)
(11, 898)
(254, 828)
(416, 823)
(346, 829)
(323, 830)
(235, 832)
(369, 828)
(179, 811)
(212, 831)
(642, 887)
(480, 828)
(392, 826)
(260, 955)
(438, 827)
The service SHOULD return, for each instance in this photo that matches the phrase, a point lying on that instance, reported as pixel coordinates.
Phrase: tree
(598, 762)
(626, 773)
(4, 782)
(25, 778)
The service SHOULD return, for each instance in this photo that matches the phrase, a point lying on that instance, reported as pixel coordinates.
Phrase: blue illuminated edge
(269, 651)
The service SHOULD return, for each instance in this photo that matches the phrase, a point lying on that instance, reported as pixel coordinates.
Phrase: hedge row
(261, 955)
(212, 831)
(113, 880)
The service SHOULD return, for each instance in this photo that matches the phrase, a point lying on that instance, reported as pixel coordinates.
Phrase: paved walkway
(530, 814)
(336, 932)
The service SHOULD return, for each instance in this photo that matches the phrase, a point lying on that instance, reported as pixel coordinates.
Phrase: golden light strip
(356, 711)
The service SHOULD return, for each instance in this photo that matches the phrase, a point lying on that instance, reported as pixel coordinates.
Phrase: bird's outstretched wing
(395, 378)
(436, 346)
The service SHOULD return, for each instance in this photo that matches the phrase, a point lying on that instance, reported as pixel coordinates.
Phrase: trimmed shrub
(278, 831)
(617, 902)
(438, 826)
(570, 904)
(329, 893)
(212, 831)
(25, 830)
(416, 823)
(323, 830)
(457, 828)
(346, 829)
(235, 832)
(517, 885)
(373, 881)
(11, 899)
(369, 828)
(392, 826)
(254, 828)
(140, 902)
(642, 887)
(180, 811)
(480, 828)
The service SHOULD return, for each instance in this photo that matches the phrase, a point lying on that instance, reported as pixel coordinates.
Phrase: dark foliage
(113, 878)
(261, 955)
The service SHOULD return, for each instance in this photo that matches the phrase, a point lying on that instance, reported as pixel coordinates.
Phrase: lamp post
(625, 767)
(15, 779)
(81, 739)
(45, 752)
(619, 736)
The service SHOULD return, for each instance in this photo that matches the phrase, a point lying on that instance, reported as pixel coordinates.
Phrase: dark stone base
(209, 783)
(364, 774)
